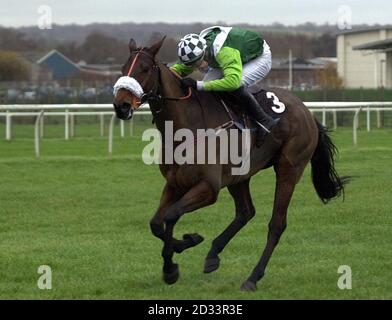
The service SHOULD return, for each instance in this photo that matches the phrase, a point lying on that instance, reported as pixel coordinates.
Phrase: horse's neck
(175, 111)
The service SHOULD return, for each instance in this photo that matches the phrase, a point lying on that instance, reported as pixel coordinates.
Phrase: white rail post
(8, 125)
(355, 125)
(111, 125)
(368, 118)
(335, 120)
(66, 123)
(41, 126)
(37, 133)
(324, 117)
(122, 131)
(72, 126)
(102, 124)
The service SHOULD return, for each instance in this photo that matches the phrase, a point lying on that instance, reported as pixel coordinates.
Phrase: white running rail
(69, 111)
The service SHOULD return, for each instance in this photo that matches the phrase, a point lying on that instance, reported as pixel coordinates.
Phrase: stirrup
(263, 127)
(274, 122)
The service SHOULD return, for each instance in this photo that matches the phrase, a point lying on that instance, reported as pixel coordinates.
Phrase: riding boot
(264, 121)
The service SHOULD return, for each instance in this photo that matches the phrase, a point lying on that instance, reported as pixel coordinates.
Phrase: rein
(153, 96)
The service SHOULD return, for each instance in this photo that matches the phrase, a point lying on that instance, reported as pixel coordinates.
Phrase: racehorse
(297, 140)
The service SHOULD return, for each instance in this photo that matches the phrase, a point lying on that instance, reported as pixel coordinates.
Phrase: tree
(13, 67)
(98, 47)
(324, 46)
(70, 50)
(168, 51)
(13, 40)
(329, 78)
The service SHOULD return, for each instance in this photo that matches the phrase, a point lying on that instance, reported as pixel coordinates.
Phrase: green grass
(86, 216)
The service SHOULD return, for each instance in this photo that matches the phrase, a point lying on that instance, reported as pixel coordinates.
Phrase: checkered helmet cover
(191, 48)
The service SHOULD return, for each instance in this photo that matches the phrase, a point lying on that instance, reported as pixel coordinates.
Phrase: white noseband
(130, 84)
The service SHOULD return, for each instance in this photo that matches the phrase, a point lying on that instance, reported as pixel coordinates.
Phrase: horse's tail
(326, 180)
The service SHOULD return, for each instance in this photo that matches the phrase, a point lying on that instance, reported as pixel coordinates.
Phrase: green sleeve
(229, 60)
(182, 69)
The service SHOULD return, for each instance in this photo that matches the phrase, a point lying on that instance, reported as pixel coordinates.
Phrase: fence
(72, 110)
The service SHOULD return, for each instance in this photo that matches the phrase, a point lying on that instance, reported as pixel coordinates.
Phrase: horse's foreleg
(168, 197)
(244, 211)
(197, 197)
(287, 177)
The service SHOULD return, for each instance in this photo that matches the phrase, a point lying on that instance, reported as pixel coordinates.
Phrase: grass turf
(86, 216)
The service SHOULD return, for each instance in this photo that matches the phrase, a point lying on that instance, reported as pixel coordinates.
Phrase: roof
(297, 64)
(363, 30)
(55, 52)
(375, 45)
(323, 60)
(298, 67)
(60, 66)
(107, 73)
(100, 67)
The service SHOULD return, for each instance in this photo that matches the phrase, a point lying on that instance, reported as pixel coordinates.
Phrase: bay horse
(297, 140)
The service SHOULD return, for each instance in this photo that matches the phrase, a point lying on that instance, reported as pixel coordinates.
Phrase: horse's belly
(184, 177)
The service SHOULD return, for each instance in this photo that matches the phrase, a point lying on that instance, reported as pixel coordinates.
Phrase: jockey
(237, 58)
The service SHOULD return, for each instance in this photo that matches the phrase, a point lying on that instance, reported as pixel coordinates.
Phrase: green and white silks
(235, 56)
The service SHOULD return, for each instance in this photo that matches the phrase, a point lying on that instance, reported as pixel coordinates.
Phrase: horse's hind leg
(244, 211)
(287, 177)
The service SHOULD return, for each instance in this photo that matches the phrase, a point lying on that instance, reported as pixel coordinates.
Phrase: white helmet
(191, 48)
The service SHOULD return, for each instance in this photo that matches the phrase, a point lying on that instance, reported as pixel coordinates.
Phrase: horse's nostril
(123, 111)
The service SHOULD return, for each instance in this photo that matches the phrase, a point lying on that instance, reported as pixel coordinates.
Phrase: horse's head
(140, 75)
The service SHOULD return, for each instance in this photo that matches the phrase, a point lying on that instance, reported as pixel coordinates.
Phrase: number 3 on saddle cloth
(242, 120)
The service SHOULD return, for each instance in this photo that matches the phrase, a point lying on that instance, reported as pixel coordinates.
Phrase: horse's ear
(132, 45)
(156, 46)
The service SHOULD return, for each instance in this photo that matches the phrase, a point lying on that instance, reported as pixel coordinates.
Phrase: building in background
(305, 72)
(62, 68)
(365, 57)
(54, 77)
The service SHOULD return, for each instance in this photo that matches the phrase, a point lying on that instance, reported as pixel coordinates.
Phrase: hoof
(171, 277)
(193, 238)
(211, 264)
(248, 286)
(189, 241)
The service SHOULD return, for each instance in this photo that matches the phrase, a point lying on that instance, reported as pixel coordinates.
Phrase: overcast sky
(25, 12)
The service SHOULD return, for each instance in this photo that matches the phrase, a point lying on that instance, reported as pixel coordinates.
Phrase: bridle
(153, 96)
(155, 67)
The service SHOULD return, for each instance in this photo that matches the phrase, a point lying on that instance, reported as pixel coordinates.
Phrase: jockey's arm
(181, 69)
(229, 60)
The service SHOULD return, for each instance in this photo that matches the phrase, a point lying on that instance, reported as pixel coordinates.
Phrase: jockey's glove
(189, 82)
